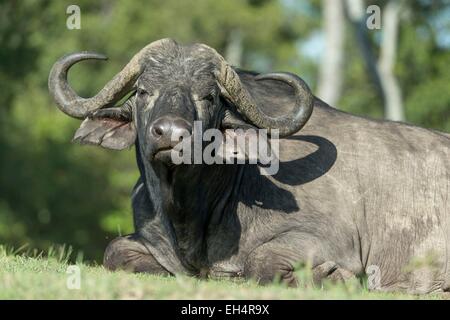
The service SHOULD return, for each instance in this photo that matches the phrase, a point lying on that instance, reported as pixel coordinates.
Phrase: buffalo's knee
(266, 266)
(130, 254)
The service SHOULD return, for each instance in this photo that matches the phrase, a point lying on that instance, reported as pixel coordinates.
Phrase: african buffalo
(351, 194)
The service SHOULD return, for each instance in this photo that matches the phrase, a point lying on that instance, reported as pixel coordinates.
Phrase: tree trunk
(234, 49)
(380, 72)
(394, 104)
(331, 65)
(356, 15)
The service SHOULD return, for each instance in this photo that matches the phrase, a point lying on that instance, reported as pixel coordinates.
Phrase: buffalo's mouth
(163, 155)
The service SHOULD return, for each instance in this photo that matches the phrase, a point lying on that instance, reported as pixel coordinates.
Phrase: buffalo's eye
(209, 98)
(141, 97)
(141, 92)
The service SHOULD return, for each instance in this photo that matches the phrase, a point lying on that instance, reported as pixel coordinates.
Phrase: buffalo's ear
(274, 98)
(109, 128)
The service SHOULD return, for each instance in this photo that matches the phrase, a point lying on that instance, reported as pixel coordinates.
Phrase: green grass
(32, 275)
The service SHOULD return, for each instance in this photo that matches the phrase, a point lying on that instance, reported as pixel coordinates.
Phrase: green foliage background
(54, 192)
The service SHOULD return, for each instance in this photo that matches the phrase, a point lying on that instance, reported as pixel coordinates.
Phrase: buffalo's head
(169, 87)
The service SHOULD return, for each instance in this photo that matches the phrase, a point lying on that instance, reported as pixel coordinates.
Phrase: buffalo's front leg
(129, 253)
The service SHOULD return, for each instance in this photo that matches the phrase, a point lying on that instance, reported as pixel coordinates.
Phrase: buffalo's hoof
(329, 270)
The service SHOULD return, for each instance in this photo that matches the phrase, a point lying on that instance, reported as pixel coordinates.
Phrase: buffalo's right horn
(75, 106)
(287, 124)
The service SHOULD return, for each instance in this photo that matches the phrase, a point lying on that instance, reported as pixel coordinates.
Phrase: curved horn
(75, 106)
(286, 124)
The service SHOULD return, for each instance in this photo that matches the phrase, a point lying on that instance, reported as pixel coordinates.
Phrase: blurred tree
(381, 71)
(393, 105)
(234, 48)
(418, 67)
(331, 71)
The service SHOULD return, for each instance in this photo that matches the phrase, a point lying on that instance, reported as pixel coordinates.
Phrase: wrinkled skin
(351, 193)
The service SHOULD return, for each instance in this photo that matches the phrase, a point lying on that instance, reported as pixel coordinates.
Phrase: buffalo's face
(166, 104)
(169, 88)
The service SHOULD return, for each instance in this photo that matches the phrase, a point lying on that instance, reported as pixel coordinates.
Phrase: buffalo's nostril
(157, 131)
(167, 132)
(181, 128)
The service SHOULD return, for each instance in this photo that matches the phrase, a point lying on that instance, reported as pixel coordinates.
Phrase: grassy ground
(37, 277)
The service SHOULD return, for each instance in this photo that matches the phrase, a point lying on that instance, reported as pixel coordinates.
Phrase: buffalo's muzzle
(165, 133)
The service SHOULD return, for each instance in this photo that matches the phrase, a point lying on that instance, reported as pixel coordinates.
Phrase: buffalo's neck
(194, 198)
